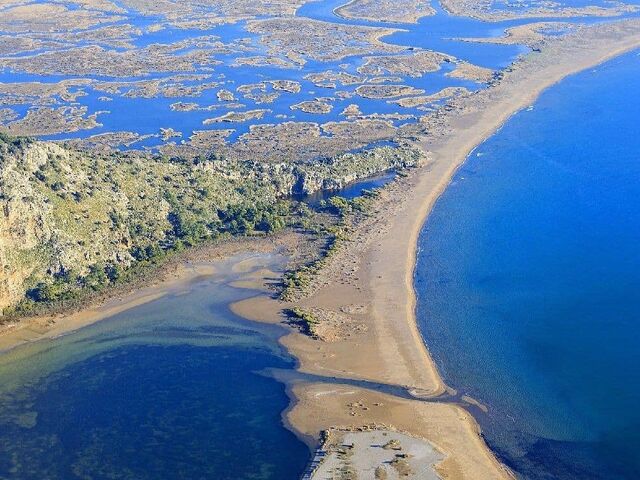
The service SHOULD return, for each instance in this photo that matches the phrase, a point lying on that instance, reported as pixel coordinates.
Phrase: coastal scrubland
(84, 215)
(74, 220)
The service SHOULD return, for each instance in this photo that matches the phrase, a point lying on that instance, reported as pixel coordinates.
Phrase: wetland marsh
(163, 125)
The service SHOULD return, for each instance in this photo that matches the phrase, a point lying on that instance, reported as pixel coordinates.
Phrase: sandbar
(375, 272)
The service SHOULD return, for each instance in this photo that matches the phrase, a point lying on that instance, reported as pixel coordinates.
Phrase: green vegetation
(67, 287)
(13, 144)
(296, 282)
(73, 222)
(306, 320)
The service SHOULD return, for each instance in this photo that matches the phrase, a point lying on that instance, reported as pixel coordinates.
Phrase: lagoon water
(526, 282)
(528, 278)
(170, 389)
(126, 109)
(146, 116)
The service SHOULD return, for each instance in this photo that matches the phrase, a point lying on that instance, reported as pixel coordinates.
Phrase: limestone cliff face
(64, 211)
(53, 220)
(24, 223)
(285, 179)
(337, 172)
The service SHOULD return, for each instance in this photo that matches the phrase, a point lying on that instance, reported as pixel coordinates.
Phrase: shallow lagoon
(169, 389)
(148, 115)
(528, 276)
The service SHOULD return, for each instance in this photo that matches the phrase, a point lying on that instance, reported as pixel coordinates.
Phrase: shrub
(339, 206)
(97, 278)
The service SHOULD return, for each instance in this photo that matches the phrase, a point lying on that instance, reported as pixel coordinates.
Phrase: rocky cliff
(73, 215)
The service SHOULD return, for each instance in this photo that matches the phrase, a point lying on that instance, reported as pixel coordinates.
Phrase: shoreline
(371, 281)
(408, 19)
(377, 270)
(178, 273)
(48, 327)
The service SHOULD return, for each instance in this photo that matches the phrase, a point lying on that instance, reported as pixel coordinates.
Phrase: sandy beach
(368, 284)
(173, 277)
(51, 326)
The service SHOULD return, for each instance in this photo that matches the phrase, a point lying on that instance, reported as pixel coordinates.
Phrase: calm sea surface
(529, 280)
(168, 390)
(527, 283)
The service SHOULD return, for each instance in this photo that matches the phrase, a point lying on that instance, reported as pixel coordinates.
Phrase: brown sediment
(109, 141)
(387, 91)
(288, 86)
(50, 121)
(369, 281)
(530, 34)
(447, 92)
(173, 276)
(313, 106)
(7, 115)
(318, 40)
(386, 10)
(413, 64)
(484, 10)
(374, 272)
(303, 141)
(468, 71)
(48, 18)
(331, 79)
(236, 117)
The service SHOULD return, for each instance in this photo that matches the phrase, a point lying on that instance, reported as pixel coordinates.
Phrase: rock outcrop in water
(73, 216)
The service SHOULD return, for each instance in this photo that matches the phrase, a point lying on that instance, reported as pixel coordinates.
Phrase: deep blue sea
(528, 280)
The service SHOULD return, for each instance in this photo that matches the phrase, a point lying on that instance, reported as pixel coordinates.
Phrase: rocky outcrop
(306, 178)
(64, 211)
(53, 219)
(337, 172)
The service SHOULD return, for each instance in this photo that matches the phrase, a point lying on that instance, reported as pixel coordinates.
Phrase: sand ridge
(371, 280)
(376, 272)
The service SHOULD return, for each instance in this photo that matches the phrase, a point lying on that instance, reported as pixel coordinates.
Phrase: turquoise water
(168, 390)
(528, 279)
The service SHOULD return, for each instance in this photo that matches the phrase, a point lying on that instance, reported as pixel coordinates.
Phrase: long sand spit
(370, 282)
(380, 373)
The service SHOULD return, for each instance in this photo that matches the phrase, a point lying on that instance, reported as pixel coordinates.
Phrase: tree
(96, 278)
